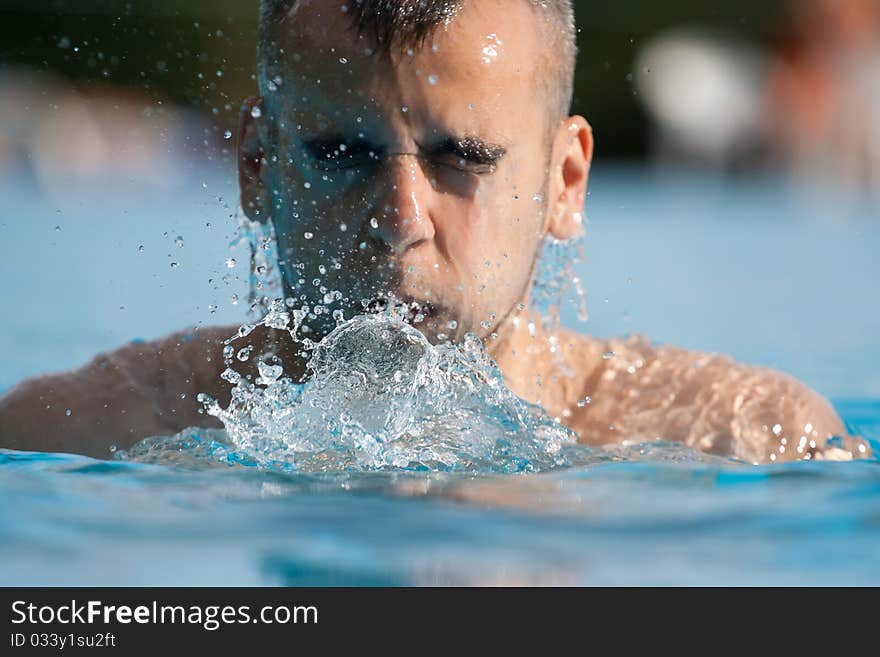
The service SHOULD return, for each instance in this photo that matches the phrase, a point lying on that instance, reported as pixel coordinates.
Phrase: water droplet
(308, 235)
(374, 222)
(538, 198)
(244, 353)
(231, 375)
(256, 112)
(343, 227)
(433, 79)
(175, 265)
(233, 299)
(307, 185)
(583, 402)
(227, 134)
(269, 373)
(230, 263)
(608, 355)
(141, 248)
(178, 241)
(68, 412)
(113, 449)
(404, 109)
(343, 60)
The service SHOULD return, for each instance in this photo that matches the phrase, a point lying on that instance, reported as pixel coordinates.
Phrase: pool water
(738, 268)
(650, 515)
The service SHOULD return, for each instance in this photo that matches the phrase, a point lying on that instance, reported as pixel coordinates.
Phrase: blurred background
(734, 204)
(735, 85)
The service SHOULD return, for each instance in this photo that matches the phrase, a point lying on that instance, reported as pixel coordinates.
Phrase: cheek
(507, 227)
(312, 217)
(494, 256)
(512, 239)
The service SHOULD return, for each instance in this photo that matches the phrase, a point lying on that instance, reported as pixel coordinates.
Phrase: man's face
(420, 176)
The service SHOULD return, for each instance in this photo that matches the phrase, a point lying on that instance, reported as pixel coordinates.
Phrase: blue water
(743, 268)
(640, 521)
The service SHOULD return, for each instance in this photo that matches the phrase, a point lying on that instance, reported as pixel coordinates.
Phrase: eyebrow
(469, 148)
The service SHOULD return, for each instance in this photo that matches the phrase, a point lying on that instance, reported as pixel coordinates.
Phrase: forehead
(484, 58)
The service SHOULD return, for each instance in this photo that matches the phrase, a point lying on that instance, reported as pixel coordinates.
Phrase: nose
(401, 217)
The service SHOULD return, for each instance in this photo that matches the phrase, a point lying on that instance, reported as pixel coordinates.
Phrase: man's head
(415, 148)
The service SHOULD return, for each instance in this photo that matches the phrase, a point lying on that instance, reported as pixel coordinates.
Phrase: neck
(533, 361)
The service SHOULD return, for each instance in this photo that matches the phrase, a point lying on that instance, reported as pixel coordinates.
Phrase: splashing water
(557, 281)
(265, 283)
(380, 396)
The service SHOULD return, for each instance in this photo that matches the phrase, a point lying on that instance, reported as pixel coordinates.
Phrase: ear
(255, 199)
(569, 173)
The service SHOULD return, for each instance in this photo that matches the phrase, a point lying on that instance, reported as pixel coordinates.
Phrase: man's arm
(139, 390)
(708, 402)
(778, 418)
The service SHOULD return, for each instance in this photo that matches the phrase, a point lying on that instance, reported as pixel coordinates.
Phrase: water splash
(265, 282)
(380, 396)
(557, 281)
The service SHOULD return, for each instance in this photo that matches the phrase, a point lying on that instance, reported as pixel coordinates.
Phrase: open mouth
(412, 312)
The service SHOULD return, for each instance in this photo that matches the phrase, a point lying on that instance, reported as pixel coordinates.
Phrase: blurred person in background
(809, 107)
(824, 93)
(66, 134)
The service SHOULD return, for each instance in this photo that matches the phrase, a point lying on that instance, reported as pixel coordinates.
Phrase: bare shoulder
(139, 389)
(172, 361)
(640, 391)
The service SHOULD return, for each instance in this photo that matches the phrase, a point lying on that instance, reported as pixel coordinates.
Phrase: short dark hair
(407, 23)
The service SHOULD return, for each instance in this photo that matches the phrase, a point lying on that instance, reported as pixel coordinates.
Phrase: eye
(466, 164)
(336, 154)
(465, 154)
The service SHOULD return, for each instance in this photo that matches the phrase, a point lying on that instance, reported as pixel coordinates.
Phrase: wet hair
(403, 24)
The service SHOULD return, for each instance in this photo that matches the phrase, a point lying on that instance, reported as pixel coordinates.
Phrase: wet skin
(433, 176)
(409, 173)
